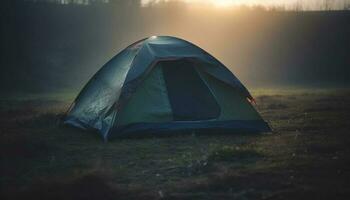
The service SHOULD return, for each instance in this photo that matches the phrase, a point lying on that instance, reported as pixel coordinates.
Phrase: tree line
(298, 5)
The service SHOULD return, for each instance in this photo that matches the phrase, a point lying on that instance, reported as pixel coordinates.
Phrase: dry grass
(305, 157)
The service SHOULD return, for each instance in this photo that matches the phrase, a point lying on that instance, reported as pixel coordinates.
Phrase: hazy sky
(306, 4)
(50, 47)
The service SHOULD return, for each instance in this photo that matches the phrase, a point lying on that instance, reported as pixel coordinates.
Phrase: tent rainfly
(162, 84)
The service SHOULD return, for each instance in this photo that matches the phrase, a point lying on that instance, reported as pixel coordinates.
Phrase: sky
(52, 47)
(227, 4)
(288, 4)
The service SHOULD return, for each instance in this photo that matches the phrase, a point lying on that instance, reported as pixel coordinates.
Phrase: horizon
(285, 5)
(267, 4)
(52, 47)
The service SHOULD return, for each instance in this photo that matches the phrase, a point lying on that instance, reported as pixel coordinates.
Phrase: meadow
(305, 157)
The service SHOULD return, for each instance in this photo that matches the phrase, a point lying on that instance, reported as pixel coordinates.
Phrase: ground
(305, 157)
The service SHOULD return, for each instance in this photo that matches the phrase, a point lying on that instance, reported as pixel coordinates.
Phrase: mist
(49, 47)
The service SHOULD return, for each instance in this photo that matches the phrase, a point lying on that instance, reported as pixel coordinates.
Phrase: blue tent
(162, 84)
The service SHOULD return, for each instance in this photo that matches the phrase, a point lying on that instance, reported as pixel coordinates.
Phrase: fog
(281, 4)
(50, 47)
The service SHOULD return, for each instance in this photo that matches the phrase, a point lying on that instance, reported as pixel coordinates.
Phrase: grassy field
(306, 156)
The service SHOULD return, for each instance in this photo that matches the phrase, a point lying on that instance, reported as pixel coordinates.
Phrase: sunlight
(218, 3)
(287, 4)
(224, 3)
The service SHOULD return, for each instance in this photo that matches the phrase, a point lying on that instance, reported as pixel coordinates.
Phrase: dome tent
(162, 84)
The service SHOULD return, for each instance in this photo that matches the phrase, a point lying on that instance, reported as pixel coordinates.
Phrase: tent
(162, 84)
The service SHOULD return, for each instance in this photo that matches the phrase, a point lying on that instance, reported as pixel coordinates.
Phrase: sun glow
(287, 4)
(224, 3)
(218, 3)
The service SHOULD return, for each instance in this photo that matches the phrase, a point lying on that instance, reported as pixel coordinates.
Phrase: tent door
(189, 96)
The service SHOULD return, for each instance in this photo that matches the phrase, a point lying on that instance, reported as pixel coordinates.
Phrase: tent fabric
(234, 105)
(89, 110)
(241, 126)
(149, 103)
(133, 88)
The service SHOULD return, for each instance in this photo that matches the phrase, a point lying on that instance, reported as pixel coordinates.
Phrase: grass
(306, 157)
(234, 153)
